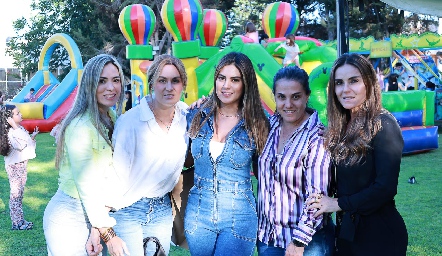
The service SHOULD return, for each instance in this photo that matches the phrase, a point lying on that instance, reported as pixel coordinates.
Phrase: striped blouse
(287, 179)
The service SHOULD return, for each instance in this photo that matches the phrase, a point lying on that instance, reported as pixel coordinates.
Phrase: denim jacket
(234, 163)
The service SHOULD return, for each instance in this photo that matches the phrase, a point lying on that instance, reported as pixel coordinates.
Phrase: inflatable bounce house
(53, 98)
(415, 109)
(197, 33)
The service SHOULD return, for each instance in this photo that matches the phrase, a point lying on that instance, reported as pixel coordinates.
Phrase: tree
(93, 24)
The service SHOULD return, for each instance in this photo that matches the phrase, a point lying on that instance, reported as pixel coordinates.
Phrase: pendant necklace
(221, 113)
(166, 125)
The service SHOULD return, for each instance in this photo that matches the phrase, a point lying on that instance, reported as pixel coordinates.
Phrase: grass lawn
(420, 204)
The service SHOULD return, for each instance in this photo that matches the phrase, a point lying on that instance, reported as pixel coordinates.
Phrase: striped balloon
(137, 23)
(213, 28)
(182, 18)
(280, 19)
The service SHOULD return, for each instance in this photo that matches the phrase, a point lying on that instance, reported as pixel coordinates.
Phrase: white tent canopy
(429, 7)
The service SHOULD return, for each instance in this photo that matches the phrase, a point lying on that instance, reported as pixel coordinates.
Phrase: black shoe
(412, 180)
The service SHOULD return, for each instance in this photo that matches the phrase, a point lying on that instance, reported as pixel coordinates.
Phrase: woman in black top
(365, 143)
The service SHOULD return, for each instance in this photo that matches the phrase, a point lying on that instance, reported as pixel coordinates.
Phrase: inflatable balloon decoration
(280, 19)
(137, 23)
(211, 32)
(182, 18)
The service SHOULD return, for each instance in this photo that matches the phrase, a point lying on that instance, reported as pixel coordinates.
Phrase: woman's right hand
(117, 247)
(198, 103)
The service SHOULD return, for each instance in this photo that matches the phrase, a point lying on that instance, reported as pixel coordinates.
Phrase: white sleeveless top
(216, 148)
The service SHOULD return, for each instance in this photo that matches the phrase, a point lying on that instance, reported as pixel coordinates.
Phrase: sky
(9, 12)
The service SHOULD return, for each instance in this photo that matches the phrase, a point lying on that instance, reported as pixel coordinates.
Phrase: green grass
(420, 204)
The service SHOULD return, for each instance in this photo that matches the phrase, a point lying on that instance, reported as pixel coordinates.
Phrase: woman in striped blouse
(293, 165)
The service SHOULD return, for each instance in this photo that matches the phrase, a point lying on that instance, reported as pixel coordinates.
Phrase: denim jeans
(65, 226)
(221, 223)
(148, 217)
(322, 244)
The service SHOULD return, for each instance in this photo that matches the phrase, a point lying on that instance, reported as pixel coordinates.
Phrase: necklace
(221, 113)
(166, 125)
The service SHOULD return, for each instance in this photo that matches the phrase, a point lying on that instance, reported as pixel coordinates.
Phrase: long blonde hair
(86, 100)
(349, 139)
(256, 122)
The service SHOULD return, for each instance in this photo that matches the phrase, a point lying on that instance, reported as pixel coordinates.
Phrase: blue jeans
(322, 244)
(221, 223)
(148, 217)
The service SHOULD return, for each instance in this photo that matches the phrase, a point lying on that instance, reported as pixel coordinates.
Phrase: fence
(11, 82)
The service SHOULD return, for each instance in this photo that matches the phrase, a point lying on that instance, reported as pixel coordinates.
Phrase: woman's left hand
(293, 250)
(36, 131)
(323, 203)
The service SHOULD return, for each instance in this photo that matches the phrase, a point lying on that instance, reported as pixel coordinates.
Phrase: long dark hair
(256, 122)
(5, 145)
(348, 139)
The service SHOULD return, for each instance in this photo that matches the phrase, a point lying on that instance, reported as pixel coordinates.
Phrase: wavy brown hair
(346, 138)
(255, 120)
(5, 145)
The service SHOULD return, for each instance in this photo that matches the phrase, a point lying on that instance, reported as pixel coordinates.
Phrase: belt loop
(236, 187)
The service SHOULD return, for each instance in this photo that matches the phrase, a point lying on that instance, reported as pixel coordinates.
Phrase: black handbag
(159, 251)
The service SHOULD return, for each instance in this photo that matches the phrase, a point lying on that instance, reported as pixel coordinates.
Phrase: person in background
(380, 76)
(292, 51)
(30, 97)
(2, 98)
(292, 166)
(365, 143)
(150, 147)
(430, 86)
(393, 84)
(251, 32)
(18, 147)
(404, 78)
(264, 40)
(128, 97)
(84, 160)
(227, 133)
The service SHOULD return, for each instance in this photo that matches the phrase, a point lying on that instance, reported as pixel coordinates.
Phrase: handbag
(159, 248)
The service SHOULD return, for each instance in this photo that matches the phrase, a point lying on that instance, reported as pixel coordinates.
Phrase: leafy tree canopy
(93, 24)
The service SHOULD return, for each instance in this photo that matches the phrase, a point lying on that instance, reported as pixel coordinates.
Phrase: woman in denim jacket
(228, 133)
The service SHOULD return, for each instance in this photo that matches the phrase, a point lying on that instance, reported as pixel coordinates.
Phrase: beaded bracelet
(108, 235)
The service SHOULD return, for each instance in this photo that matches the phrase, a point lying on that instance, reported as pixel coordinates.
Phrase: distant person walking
(18, 147)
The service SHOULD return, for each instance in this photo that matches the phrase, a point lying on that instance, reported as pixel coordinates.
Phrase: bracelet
(108, 235)
(298, 244)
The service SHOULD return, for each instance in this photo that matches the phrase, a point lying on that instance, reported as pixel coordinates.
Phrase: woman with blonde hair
(150, 147)
(84, 161)
(227, 133)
